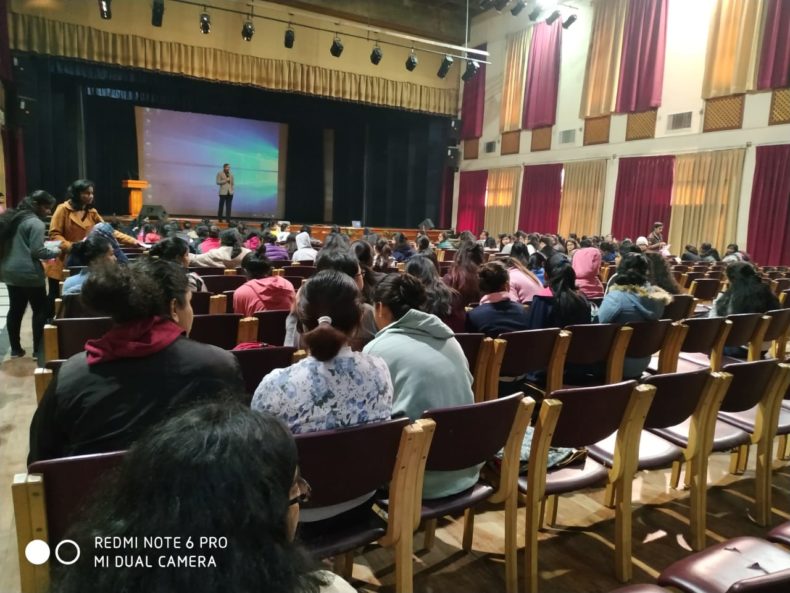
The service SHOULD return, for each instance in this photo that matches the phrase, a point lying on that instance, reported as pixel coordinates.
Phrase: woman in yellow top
(71, 222)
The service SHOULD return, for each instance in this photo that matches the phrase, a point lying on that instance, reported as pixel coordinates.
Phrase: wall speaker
(426, 224)
(152, 212)
(452, 157)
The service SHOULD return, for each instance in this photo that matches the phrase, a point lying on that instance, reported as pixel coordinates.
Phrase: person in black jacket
(497, 313)
(137, 373)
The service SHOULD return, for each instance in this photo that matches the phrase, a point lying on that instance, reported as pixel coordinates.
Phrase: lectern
(135, 187)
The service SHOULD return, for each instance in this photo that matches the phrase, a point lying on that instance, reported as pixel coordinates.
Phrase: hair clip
(325, 319)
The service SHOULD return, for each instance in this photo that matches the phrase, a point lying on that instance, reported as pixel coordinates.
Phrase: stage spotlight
(533, 16)
(447, 63)
(290, 37)
(500, 4)
(411, 62)
(553, 17)
(569, 21)
(471, 70)
(105, 9)
(247, 30)
(205, 23)
(157, 12)
(376, 55)
(518, 7)
(337, 47)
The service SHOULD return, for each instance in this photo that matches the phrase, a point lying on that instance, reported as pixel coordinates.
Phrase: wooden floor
(575, 557)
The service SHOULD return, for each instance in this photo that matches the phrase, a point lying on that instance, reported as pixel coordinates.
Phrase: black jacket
(107, 406)
(497, 318)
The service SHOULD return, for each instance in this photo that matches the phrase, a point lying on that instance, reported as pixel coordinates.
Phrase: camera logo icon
(38, 552)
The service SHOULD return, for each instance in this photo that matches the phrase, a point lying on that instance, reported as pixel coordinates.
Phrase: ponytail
(324, 342)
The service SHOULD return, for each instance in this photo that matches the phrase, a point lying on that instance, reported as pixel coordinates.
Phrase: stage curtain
(581, 206)
(471, 201)
(642, 64)
(603, 58)
(473, 106)
(14, 159)
(502, 200)
(514, 80)
(733, 44)
(774, 69)
(769, 213)
(3, 164)
(541, 190)
(643, 196)
(39, 35)
(446, 200)
(543, 76)
(705, 195)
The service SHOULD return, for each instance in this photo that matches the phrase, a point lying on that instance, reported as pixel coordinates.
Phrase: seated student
(252, 240)
(523, 283)
(402, 250)
(304, 248)
(93, 250)
(587, 266)
(103, 399)
(370, 277)
(463, 273)
(562, 303)
(217, 470)
(424, 249)
(441, 300)
(383, 260)
(282, 236)
(228, 255)
(443, 242)
(211, 241)
(106, 230)
(608, 253)
(659, 274)
(709, 253)
(263, 292)
(633, 298)
(427, 364)
(497, 313)
(151, 234)
(274, 251)
(175, 249)
(690, 253)
(333, 387)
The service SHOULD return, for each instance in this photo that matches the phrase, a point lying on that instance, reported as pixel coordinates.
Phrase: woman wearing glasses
(216, 471)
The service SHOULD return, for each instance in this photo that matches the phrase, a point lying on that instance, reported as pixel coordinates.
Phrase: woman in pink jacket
(587, 265)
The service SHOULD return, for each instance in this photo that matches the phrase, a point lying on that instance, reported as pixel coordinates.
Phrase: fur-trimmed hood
(628, 302)
(647, 291)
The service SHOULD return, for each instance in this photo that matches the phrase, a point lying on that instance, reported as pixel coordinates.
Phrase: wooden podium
(135, 187)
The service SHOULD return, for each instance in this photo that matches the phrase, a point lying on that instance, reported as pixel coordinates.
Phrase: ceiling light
(411, 62)
(447, 63)
(553, 17)
(290, 37)
(518, 7)
(205, 23)
(105, 9)
(247, 30)
(337, 47)
(157, 12)
(569, 21)
(376, 55)
(471, 70)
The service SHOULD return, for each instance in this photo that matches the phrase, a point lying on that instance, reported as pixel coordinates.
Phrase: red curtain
(643, 196)
(471, 201)
(446, 203)
(769, 212)
(642, 63)
(543, 76)
(15, 180)
(474, 103)
(774, 70)
(541, 191)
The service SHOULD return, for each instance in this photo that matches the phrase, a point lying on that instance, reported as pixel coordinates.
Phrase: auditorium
(395, 296)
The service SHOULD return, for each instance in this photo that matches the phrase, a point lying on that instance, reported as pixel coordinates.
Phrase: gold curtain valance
(44, 36)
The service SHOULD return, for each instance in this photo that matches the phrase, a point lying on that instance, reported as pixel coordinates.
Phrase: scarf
(133, 339)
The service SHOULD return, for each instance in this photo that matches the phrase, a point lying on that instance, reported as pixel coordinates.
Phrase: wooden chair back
(219, 284)
(708, 336)
(748, 329)
(778, 332)
(207, 271)
(529, 351)
(256, 363)
(301, 271)
(479, 351)
(681, 307)
(689, 277)
(750, 384)
(67, 337)
(224, 330)
(705, 289)
(271, 326)
(599, 343)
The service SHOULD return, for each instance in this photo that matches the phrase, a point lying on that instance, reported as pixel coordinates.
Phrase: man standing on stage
(655, 240)
(225, 183)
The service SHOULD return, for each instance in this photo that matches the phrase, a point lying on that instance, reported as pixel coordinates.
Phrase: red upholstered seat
(256, 363)
(219, 284)
(780, 534)
(271, 326)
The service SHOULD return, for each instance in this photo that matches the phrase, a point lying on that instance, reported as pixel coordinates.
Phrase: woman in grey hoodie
(22, 234)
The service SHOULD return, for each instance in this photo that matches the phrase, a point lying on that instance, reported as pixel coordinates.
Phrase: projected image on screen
(181, 153)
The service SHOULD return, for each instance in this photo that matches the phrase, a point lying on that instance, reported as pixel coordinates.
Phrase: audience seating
(745, 329)
(529, 351)
(466, 436)
(716, 274)
(224, 330)
(597, 344)
(705, 335)
(578, 418)
(784, 298)
(705, 289)
(779, 285)
(204, 303)
(42, 377)
(301, 271)
(296, 281)
(391, 452)
(207, 271)
(681, 307)
(46, 501)
(66, 337)
(70, 305)
(778, 332)
(270, 327)
(256, 363)
(694, 397)
(689, 277)
(219, 284)
(739, 565)
(780, 534)
(662, 336)
(479, 352)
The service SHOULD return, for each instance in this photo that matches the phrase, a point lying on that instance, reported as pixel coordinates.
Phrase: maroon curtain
(15, 180)
(543, 76)
(769, 212)
(474, 103)
(540, 198)
(5, 50)
(471, 201)
(643, 196)
(774, 70)
(446, 201)
(642, 63)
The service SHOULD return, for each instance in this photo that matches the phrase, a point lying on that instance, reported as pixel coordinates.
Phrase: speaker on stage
(452, 157)
(152, 212)
(426, 224)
